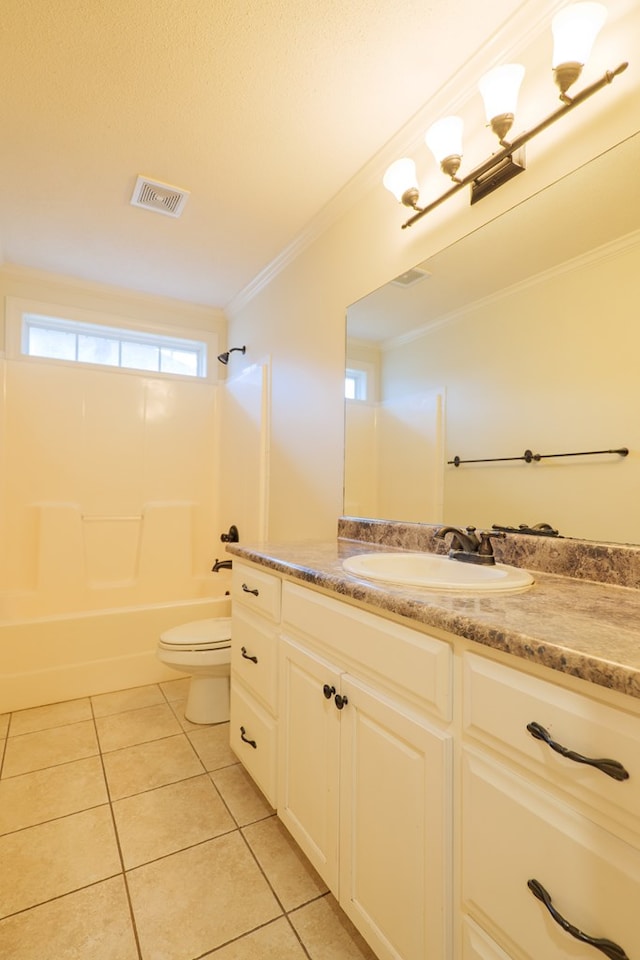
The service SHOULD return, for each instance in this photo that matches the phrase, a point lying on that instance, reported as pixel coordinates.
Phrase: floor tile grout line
(285, 913)
(239, 827)
(56, 726)
(62, 816)
(123, 872)
(222, 799)
(51, 766)
(59, 896)
(261, 926)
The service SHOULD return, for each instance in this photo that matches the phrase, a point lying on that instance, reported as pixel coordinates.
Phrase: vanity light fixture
(574, 31)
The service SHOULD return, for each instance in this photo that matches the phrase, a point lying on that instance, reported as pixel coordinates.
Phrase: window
(55, 338)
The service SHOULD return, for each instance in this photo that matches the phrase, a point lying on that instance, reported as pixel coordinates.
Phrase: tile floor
(128, 833)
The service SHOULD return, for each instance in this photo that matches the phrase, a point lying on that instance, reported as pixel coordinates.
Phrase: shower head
(224, 357)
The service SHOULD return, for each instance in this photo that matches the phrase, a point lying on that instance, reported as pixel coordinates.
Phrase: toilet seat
(213, 634)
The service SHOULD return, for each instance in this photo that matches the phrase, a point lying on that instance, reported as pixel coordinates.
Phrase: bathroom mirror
(524, 335)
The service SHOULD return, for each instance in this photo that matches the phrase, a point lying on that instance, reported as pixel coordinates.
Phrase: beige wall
(298, 313)
(552, 366)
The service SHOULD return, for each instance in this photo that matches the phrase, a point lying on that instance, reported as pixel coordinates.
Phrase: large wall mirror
(524, 335)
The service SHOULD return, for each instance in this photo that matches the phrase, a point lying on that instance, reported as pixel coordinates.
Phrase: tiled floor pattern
(128, 833)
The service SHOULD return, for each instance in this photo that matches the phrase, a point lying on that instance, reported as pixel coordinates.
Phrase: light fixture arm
(514, 145)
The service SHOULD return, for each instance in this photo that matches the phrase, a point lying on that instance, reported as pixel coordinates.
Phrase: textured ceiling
(263, 110)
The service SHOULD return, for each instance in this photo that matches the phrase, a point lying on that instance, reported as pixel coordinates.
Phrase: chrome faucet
(466, 546)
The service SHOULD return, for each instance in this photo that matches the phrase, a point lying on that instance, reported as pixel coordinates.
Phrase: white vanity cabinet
(547, 822)
(460, 804)
(254, 674)
(365, 769)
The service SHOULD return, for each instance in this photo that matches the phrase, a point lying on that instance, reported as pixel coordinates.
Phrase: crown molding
(518, 32)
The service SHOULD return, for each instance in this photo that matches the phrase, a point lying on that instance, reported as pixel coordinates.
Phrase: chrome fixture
(224, 357)
(574, 31)
(467, 546)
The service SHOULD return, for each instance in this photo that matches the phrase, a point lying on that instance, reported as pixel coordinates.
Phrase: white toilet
(203, 649)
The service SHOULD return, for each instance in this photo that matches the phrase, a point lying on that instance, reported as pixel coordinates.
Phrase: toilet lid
(199, 633)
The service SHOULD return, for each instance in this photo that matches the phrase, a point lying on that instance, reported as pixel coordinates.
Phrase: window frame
(21, 315)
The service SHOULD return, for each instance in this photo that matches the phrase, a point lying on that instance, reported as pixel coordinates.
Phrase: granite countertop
(585, 629)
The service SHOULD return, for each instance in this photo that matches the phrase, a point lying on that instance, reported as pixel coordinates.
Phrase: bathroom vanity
(431, 753)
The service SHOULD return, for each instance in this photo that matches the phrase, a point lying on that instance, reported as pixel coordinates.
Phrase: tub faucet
(221, 565)
(466, 546)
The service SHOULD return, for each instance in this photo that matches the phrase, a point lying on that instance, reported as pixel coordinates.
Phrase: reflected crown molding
(605, 252)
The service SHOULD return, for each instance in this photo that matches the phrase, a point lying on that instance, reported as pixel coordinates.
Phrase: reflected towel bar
(529, 457)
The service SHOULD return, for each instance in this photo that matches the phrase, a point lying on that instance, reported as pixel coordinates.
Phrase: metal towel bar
(529, 457)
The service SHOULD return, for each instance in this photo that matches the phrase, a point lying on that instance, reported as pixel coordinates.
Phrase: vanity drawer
(408, 661)
(513, 833)
(253, 738)
(499, 703)
(254, 655)
(257, 590)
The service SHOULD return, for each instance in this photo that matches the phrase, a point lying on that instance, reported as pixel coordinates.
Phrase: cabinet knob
(340, 701)
(247, 589)
(328, 691)
(612, 768)
(247, 656)
(608, 947)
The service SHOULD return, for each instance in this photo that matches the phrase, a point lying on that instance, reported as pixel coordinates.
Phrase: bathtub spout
(221, 565)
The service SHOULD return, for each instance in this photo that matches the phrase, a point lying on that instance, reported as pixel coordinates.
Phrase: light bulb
(574, 31)
(400, 178)
(499, 89)
(444, 139)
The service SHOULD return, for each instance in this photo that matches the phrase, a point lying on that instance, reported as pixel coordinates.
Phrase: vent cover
(410, 277)
(161, 197)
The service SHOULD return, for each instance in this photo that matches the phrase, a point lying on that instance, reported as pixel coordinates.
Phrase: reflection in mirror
(523, 335)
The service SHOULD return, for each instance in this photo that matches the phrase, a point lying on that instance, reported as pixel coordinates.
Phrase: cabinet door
(309, 752)
(395, 829)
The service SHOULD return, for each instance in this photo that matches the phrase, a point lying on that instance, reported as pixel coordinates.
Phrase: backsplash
(615, 564)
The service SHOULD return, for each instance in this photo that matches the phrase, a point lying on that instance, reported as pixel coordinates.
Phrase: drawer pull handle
(340, 701)
(328, 691)
(247, 656)
(611, 767)
(243, 737)
(608, 947)
(249, 590)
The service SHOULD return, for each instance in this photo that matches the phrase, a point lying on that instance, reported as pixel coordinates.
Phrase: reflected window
(356, 383)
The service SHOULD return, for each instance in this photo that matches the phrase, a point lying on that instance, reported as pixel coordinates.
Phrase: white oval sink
(439, 573)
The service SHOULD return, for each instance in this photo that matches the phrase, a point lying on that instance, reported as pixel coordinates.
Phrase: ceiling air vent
(161, 197)
(410, 277)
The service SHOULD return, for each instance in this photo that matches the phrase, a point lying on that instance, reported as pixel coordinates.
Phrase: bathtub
(62, 657)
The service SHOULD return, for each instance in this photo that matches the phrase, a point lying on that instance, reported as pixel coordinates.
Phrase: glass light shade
(444, 138)
(500, 88)
(574, 31)
(401, 177)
